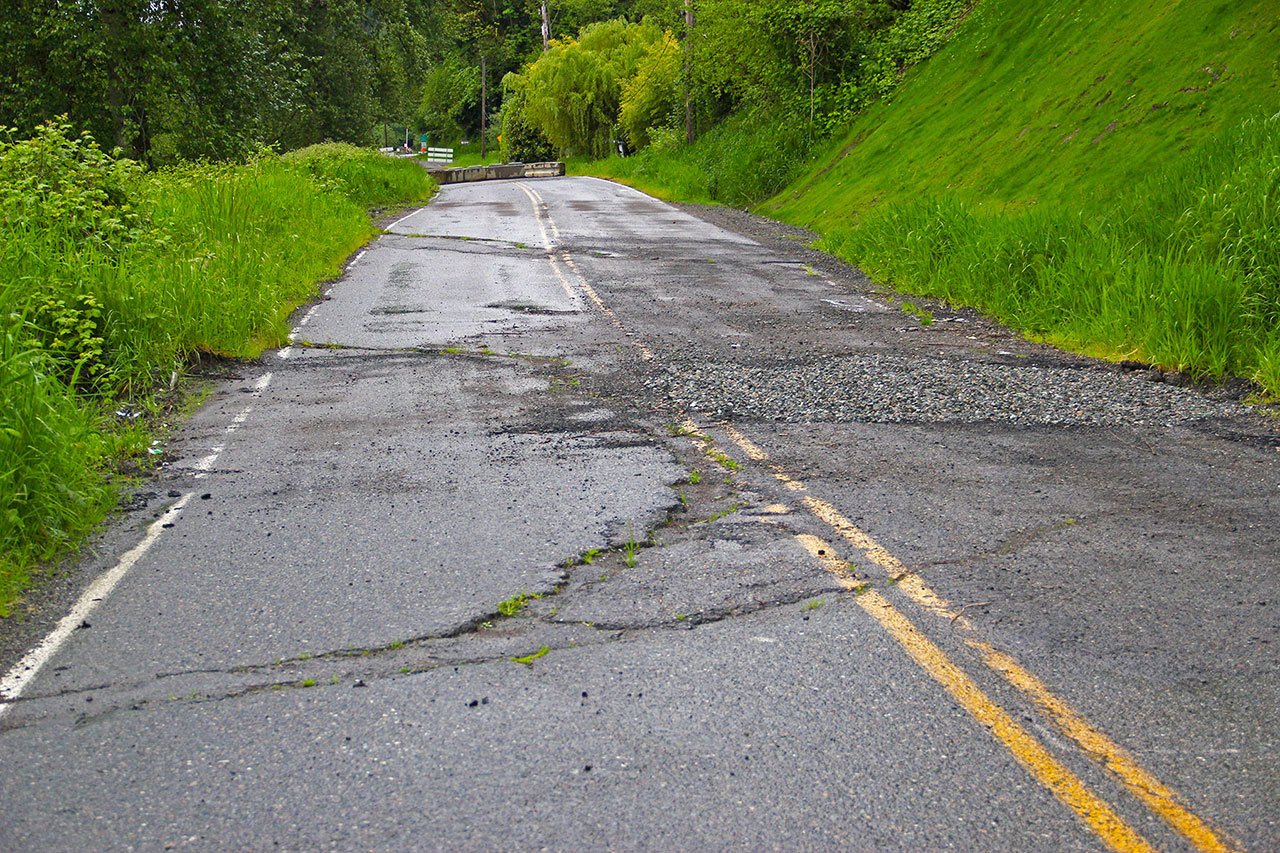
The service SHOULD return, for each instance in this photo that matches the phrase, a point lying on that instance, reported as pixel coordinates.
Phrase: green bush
(522, 142)
(360, 175)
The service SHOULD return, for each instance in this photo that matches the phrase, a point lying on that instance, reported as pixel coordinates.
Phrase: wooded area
(167, 80)
(187, 79)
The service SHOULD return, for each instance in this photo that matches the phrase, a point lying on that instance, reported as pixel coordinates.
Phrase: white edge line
(402, 219)
(17, 679)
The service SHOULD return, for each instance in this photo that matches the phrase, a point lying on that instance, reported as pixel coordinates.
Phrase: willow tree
(574, 89)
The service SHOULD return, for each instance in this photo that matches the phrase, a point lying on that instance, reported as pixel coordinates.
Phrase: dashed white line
(17, 679)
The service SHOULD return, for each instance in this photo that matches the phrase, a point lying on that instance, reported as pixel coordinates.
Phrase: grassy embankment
(111, 279)
(1106, 177)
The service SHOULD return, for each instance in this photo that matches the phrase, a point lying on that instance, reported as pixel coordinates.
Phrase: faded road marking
(541, 215)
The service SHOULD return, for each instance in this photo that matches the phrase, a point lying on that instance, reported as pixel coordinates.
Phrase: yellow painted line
(564, 282)
(1157, 796)
(1141, 783)
(646, 354)
(1028, 751)
(541, 215)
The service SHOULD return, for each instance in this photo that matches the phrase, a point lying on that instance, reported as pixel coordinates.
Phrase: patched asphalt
(460, 576)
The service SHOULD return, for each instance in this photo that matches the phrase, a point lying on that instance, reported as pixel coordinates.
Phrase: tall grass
(1184, 272)
(110, 278)
(744, 160)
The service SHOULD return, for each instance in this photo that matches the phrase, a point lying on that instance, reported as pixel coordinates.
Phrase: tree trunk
(546, 26)
(117, 37)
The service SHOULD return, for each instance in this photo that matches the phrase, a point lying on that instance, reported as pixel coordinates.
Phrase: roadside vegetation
(1108, 181)
(112, 278)
(1105, 177)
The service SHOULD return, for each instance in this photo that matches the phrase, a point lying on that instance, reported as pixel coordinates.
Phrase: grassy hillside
(1071, 104)
(1105, 176)
(1102, 175)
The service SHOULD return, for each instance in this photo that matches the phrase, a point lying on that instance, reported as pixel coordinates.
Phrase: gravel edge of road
(1235, 420)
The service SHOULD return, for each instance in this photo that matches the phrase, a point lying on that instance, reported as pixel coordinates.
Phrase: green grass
(747, 158)
(111, 278)
(1105, 177)
(1071, 105)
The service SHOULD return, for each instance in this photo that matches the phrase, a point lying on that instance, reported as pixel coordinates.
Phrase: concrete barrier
(498, 172)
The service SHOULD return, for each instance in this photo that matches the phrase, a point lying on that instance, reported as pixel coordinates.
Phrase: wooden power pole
(688, 65)
(484, 104)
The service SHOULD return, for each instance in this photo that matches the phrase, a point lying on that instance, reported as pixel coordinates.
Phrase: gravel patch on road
(882, 388)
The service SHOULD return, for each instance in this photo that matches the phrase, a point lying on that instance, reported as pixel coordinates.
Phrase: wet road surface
(571, 519)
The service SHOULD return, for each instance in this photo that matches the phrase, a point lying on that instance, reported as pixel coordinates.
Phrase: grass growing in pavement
(110, 278)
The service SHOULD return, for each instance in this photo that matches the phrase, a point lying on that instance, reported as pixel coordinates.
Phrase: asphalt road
(573, 519)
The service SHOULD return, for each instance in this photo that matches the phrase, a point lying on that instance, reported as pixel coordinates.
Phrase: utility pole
(688, 70)
(546, 27)
(484, 103)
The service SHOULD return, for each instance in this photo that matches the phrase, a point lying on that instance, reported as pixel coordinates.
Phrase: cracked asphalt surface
(508, 550)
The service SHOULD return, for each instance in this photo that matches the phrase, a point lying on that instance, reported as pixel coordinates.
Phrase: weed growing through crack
(814, 604)
(629, 549)
(722, 459)
(528, 659)
(716, 516)
(307, 682)
(924, 315)
(590, 557)
(516, 603)
(396, 644)
(683, 498)
(695, 477)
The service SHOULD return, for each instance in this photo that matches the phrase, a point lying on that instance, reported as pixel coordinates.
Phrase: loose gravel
(882, 388)
(922, 387)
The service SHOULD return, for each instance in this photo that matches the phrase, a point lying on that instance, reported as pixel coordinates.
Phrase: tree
(574, 90)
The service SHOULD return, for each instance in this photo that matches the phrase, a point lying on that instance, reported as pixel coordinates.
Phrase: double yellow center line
(1025, 748)
(1065, 785)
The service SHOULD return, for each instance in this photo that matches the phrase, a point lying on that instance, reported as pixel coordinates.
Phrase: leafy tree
(653, 98)
(574, 90)
(449, 91)
(521, 141)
